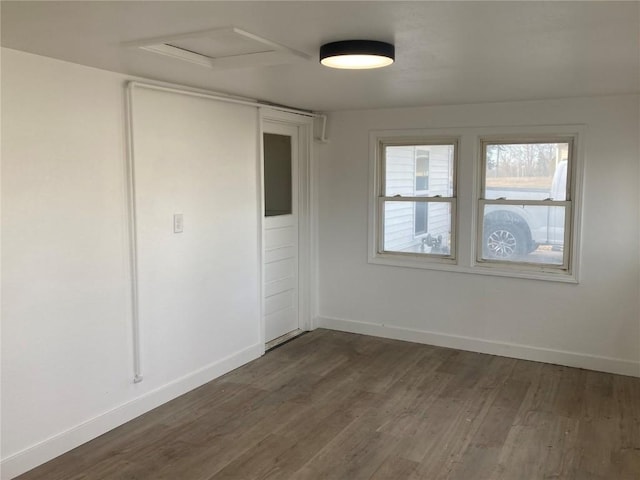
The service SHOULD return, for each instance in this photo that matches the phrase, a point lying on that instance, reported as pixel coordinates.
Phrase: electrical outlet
(178, 223)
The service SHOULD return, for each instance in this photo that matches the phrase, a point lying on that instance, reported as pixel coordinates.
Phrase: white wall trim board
(63, 442)
(514, 350)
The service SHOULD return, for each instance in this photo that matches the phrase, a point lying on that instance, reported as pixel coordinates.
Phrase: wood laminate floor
(332, 405)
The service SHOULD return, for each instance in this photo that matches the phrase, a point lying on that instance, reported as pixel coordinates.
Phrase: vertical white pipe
(133, 237)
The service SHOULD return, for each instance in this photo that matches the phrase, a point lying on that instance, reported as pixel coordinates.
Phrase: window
(422, 171)
(525, 203)
(416, 198)
(277, 175)
(502, 201)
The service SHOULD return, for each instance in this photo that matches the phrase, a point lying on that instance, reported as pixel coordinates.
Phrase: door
(280, 230)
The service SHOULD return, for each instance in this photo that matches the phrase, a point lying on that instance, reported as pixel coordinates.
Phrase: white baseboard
(52, 447)
(526, 352)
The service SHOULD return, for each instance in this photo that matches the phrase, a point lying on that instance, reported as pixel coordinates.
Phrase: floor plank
(334, 405)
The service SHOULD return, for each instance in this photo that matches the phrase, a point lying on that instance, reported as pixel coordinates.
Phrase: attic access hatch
(228, 47)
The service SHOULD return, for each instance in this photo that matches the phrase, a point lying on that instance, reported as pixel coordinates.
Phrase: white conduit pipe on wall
(133, 235)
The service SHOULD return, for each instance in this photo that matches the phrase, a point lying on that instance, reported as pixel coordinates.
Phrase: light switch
(178, 223)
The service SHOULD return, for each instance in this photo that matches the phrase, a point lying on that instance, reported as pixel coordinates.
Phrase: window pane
(277, 175)
(417, 227)
(517, 233)
(418, 170)
(421, 215)
(526, 171)
(422, 170)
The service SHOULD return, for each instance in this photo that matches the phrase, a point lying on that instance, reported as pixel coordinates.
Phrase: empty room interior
(320, 240)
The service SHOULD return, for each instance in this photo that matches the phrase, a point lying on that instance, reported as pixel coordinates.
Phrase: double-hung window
(525, 203)
(416, 201)
(506, 203)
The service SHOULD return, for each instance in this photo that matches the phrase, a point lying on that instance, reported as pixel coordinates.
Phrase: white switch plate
(178, 223)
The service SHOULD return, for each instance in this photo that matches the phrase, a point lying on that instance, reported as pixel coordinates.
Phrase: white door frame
(304, 125)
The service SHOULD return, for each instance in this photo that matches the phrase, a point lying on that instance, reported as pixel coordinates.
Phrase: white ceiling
(446, 52)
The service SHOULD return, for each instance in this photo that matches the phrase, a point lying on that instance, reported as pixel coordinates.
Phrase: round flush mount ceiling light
(357, 54)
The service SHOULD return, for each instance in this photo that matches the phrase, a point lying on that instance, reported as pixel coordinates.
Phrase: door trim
(304, 124)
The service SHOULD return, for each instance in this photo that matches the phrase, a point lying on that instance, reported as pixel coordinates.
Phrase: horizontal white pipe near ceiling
(239, 101)
(135, 312)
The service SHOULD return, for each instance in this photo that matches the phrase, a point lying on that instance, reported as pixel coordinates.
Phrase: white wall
(198, 290)
(67, 364)
(594, 324)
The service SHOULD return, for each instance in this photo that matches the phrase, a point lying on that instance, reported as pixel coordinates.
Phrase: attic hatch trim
(274, 52)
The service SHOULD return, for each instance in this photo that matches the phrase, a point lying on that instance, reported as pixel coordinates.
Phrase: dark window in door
(277, 175)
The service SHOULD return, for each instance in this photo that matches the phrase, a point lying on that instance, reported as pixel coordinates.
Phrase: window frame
(381, 198)
(467, 179)
(568, 204)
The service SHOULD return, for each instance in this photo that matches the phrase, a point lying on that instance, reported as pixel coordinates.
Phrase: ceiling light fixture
(357, 54)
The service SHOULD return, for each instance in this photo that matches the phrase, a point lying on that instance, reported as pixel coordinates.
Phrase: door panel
(280, 270)
(280, 253)
(279, 236)
(281, 321)
(278, 286)
(278, 301)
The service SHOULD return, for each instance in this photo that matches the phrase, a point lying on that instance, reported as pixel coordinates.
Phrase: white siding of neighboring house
(400, 179)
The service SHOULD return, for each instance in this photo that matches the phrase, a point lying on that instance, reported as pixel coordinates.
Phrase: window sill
(451, 265)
